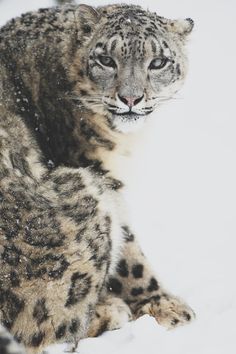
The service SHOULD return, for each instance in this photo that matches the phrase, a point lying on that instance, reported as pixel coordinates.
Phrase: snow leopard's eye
(107, 61)
(158, 63)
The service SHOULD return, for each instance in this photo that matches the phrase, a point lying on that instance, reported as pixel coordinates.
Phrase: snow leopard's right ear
(88, 17)
(182, 27)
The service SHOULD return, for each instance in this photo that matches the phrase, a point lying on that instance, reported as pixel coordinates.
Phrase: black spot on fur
(61, 331)
(83, 92)
(86, 29)
(122, 268)
(1, 197)
(137, 305)
(136, 291)
(154, 47)
(79, 289)
(178, 69)
(174, 321)
(113, 45)
(94, 165)
(100, 256)
(66, 185)
(165, 44)
(11, 305)
(153, 285)
(155, 298)
(18, 337)
(74, 325)
(187, 316)
(37, 339)
(40, 312)
(137, 271)
(18, 162)
(113, 183)
(128, 236)
(15, 281)
(11, 255)
(97, 315)
(115, 286)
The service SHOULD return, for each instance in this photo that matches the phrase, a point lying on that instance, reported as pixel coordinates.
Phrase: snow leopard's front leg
(135, 282)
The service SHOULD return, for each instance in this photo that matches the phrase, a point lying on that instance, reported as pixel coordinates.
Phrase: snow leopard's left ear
(181, 27)
(88, 17)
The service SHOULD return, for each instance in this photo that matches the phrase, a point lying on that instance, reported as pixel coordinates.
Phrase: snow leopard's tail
(7, 343)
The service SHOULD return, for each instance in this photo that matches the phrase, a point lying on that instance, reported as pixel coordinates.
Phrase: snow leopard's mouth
(130, 115)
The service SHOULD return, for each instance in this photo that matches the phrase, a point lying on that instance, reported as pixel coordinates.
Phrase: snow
(182, 193)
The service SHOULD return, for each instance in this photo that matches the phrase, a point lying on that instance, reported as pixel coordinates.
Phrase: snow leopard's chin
(128, 123)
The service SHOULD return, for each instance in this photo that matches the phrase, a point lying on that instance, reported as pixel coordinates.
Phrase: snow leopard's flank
(75, 82)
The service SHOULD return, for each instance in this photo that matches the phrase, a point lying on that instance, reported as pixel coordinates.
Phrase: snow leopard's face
(135, 62)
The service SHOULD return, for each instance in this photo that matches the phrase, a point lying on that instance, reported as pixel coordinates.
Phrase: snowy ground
(183, 190)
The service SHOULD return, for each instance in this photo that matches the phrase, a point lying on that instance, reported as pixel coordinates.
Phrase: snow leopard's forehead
(131, 31)
(130, 34)
(133, 20)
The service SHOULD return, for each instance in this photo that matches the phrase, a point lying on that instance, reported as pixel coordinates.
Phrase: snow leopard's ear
(88, 17)
(181, 27)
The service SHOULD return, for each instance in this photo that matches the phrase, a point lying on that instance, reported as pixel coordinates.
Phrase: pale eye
(107, 61)
(158, 63)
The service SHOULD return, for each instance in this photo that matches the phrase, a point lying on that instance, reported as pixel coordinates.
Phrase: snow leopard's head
(134, 60)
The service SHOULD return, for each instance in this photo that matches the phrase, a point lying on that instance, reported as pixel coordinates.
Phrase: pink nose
(130, 101)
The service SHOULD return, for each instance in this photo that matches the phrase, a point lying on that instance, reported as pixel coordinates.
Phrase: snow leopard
(76, 82)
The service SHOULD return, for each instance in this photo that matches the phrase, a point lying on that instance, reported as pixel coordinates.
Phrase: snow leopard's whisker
(88, 98)
(97, 105)
(84, 99)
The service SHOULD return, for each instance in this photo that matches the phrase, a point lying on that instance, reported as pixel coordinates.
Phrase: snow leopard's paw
(112, 314)
(169, 311)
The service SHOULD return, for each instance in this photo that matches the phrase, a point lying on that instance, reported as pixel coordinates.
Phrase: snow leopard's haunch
(75, 82)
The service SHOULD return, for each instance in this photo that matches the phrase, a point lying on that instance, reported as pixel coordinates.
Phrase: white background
(182, 189)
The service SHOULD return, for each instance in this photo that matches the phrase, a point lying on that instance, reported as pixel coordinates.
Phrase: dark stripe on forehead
(165, 44)
(154, 47)
(113, 45)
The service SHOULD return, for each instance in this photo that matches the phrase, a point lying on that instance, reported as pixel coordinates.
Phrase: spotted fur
(73, 80)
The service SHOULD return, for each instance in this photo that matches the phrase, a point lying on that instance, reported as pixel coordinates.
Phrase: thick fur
(69, 265)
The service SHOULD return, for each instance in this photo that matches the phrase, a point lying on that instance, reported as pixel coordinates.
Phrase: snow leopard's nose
(130, 101)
